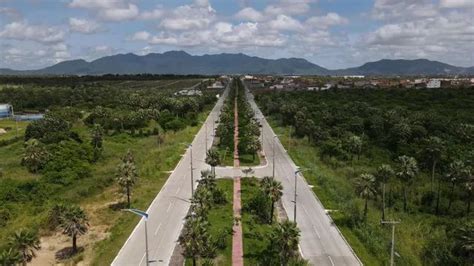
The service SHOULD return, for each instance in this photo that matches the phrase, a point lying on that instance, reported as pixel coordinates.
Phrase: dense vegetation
(72, 154)
(249, 131)
(407, 154)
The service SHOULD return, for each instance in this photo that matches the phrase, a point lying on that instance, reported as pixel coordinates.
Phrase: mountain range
(180, 62)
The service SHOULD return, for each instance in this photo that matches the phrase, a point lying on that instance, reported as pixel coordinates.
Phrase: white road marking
(169, 207)
(157, 229)
(330, 259)
(177, 191)
(316, 230)
(144, 254)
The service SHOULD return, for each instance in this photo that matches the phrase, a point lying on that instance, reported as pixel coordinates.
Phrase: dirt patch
(99, 230)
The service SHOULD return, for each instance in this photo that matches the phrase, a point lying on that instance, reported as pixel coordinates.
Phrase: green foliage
(127, 175)
(26, 243)
(74, 222)
(49, 130)
(36, 156)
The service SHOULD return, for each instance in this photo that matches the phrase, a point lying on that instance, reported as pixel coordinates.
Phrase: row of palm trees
(23, 244)
(367, 185)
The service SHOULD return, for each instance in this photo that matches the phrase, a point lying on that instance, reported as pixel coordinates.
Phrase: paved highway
(169, 208)
(321, 243)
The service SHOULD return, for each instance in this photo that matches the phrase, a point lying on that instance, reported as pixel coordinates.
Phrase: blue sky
(330, 33)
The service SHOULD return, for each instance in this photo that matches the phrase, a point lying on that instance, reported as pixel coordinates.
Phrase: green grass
(249, 160)
(333, 184)
(153, 162)
(256, 235)
(227, 158)
(221, 219)
(11, 127)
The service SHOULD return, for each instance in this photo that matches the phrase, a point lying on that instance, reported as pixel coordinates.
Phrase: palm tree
(35, 156)
(127, 176)
(274, 190)
(265, 181)
(433, 151)
(469, 187)
(406, 172)
(208, 181)
(456, 172)
(194, 237)
(366, 188)
(354, 144)
(74, 223)
(212, 159)
(464, 241)
(26, 243)
(10, 257)
(96, 140)
(285, 239)
(383, 174)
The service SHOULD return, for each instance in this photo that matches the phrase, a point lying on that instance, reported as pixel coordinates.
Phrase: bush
(260, 206)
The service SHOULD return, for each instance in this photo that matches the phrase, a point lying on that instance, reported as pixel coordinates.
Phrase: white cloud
(110, 10)
(403, 9)
(285, 23)
(188, 17)
(152, 15)
(249, 14)
(141, 36)
(83, 25)
(289, 7)
(456, 3)
(22, 30)
(119, 14)
(324, 22)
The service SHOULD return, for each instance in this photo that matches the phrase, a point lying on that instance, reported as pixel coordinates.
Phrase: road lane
(169, 208)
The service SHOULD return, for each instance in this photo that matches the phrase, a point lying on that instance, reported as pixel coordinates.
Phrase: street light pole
(392, 249)
(296, 182)
(205, 123)
(192, 175)
(273, 152)
(145, 216)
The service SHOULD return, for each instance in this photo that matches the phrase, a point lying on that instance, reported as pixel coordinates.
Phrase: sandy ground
(50, 244)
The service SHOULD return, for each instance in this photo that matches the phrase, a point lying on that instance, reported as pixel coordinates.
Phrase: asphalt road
(169, 208)
(320, 242)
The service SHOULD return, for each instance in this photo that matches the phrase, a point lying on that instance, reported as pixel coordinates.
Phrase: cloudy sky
(331, 33)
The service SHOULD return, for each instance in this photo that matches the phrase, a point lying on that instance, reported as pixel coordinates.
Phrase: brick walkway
(237, 242)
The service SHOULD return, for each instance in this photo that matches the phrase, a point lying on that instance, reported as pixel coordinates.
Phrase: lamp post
(145, 216)
(191, 165)
(296, 182)
(273, 152)
(392, 249)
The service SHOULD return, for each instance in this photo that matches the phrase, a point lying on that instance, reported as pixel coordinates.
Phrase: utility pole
(205, 123)
(296, 182)
(392, 250)
(192, 175)
(273, 152)
(144, 215)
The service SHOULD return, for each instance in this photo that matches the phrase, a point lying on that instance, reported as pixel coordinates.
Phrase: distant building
(433, 84)
(6, 110)
(190, 92)
(216, 85)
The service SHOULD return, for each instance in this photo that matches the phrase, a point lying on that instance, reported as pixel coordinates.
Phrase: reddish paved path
(237, 242)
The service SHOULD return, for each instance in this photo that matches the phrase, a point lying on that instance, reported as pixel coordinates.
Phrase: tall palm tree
(10, 257)
(366, 188)
(26, 243)
(35, 156)
(456, 172)
(464, 241)
(433, 151)
(383, 175)
(274, 190)
(285, 238)
(469, 187)
(96, 140)
(74, 223)
(194, 237)
(406, 172)
(212, 158)
(208, 180)
(127, 177)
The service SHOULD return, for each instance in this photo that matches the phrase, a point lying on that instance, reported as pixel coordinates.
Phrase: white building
(433, 84)
(6, 110)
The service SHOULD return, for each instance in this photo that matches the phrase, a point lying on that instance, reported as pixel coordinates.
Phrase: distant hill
(406, 68)
(179, 62)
